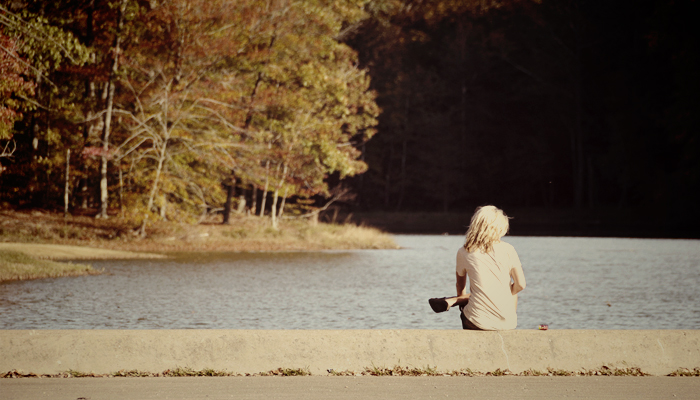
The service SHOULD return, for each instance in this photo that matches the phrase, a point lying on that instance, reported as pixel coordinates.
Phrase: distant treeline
(179, 108)
(588, 104)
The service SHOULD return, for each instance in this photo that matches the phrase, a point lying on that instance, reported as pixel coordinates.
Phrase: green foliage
(46, 46)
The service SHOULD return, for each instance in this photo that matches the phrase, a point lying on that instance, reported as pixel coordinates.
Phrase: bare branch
(9, 152)
(342, 192)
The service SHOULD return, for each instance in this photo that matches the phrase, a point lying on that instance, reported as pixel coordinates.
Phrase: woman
(494, 271)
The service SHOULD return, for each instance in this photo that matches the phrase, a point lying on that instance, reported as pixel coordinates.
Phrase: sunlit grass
(257, 234)
(15, 265)
(244, 233)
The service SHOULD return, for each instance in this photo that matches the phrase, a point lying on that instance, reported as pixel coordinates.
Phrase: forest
(180, 109)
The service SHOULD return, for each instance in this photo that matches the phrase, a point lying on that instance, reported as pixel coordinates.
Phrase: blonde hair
(488, 225)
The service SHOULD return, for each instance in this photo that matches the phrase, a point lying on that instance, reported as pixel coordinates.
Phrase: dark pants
(467, 324)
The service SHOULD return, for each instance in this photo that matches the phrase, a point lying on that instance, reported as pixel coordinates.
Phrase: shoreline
(29, 261)
(244, 233)
(62, 252)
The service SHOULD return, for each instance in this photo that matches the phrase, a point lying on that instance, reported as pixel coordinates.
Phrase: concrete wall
(657, 352)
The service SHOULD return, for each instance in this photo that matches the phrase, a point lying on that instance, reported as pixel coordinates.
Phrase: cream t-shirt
(491, 305)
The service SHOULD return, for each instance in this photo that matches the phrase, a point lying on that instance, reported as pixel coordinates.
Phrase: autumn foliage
(183, 97)
(13, 86)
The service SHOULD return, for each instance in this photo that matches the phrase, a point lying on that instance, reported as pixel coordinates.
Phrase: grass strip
(685, 372)
(15, 265)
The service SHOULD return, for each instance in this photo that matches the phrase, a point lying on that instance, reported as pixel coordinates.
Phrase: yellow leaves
(258, 84)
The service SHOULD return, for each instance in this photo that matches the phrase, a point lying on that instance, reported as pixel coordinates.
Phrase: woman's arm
(518, 280)
(461, 285)
(462, 297)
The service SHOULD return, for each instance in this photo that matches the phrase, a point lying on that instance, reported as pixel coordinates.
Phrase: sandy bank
(67, 252)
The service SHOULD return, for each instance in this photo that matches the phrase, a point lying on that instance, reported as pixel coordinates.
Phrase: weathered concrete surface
(351, 388)
(657, 352)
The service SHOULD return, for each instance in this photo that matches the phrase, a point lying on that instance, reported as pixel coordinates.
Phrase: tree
(193, 89)
(312, 106)
(15, 90)
(42, 48)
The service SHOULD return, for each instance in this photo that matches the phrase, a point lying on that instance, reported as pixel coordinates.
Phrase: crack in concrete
(663, 351)
(503, 347)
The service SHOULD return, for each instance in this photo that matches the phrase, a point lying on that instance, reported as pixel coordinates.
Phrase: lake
(572, 283)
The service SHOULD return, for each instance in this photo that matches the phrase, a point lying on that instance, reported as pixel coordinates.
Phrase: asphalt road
(320, 387)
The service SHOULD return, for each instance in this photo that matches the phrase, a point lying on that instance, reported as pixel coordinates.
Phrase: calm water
(572, 283)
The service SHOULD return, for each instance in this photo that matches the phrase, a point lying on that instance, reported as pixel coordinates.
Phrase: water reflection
(581, 283)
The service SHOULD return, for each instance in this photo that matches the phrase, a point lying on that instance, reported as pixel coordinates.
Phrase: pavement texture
(386, 388)
(655, 352)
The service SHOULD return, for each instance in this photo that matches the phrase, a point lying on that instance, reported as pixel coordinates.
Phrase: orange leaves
(12, 85)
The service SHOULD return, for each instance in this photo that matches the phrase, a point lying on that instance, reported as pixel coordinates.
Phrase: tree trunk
(84, 193)
(284, 200)
(34, 131)
(66, 191)
(90, 93)
(254, 200)
(104, 194)
(241, 205)
(121, 192)
(159, 169)
(273, 212)
(163, 207)
(267, 184)
(230, 192)
(154, 188)
(275, 223)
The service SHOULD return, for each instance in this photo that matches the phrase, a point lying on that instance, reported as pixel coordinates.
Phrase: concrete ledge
(657, 352)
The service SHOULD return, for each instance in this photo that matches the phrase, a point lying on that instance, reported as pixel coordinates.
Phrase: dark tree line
(581, 104)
